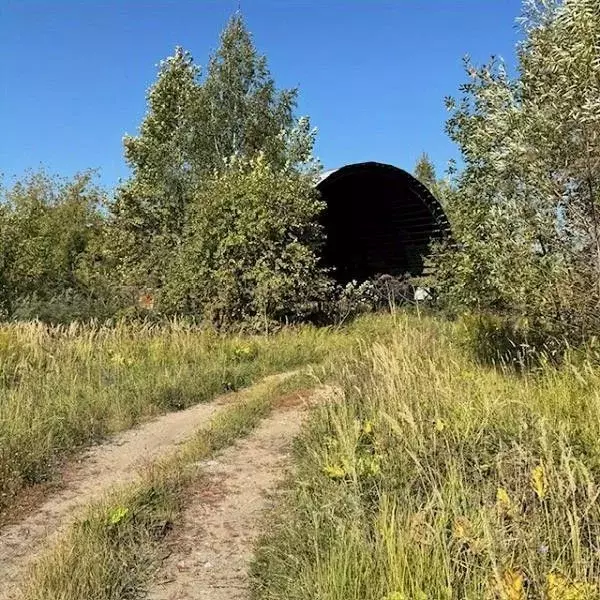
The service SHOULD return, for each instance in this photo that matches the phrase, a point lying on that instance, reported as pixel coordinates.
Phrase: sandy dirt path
(113, 463)
(208, 553)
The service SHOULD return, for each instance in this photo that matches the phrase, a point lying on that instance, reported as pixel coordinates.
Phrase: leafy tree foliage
(162, 155)
(192, 129)
(149, 208)
(240, 111)
(218, 218)
(525, 208)
(250, 247)
(426, 173)
(45, 227)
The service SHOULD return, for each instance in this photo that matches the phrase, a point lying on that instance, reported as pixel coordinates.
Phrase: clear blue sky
(372, 74)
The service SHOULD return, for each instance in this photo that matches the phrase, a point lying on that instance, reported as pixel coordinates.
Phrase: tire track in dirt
(114, 463)
(208, 553)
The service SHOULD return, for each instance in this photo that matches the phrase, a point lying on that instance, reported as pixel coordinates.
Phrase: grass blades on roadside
(435, 478)
(62, 388)
(110, 552)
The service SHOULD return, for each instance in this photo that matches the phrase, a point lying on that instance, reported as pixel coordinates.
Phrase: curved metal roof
(324, 175)
(378, 219)
(411, 182)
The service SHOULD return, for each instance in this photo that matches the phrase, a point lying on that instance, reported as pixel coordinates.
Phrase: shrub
(249, 250)
(510, 341)
(524, 208)
(45, 227)
(379, 293)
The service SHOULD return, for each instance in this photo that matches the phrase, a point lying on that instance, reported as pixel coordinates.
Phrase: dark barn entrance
(379, 220)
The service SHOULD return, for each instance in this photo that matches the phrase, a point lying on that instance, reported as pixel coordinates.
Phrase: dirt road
(114, 463)
(210, 549)
(207, 555)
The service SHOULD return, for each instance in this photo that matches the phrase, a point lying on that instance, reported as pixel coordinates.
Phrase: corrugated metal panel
(426, 197)
(388, 230)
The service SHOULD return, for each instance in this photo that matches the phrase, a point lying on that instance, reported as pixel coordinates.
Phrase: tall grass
(65, 387)
(433, 477)
(111, 552)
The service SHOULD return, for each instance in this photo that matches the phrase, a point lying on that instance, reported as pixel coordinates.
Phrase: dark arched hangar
(378, 220)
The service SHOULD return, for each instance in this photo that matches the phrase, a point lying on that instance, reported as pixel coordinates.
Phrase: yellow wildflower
(118, 358)
(117, 514)
(334, 471)
(559, 588)
(440, 425)
(512, 586)
(538, 481)
(461, 529)
(503, 500)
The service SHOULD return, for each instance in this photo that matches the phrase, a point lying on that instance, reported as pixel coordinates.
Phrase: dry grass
(109, 554)
(433, 477)
(62, 388)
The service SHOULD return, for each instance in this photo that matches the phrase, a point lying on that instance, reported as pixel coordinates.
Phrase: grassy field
(62, 388)
(433, 477)
(110, 552)
(429, 477)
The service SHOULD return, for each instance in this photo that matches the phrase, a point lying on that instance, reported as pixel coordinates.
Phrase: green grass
(110, 553)
(433, 477)
(62, 388)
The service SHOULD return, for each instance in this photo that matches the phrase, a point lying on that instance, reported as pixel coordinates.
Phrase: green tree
(45, 227)
(425, 171)
(193, 128)
(149, 208)
(250, 249)
(525, 211)
(242, 113)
